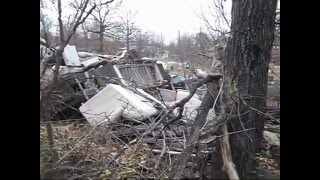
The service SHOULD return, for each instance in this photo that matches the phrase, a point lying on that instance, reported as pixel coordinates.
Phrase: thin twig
(242, 123)
(258, 111)
(163, 149)
(81, 140)
(236, 132)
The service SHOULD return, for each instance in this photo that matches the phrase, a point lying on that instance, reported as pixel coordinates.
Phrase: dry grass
(99, 155)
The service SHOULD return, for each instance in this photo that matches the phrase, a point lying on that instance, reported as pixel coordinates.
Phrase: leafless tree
(202, 43)
(142, 40)
(217, 20)
(103, 25)
(126, 28)
(84, 29)
(254, 22)
(277, 29)
(45, 23)
(242, 91)
(161, 39)
(86, 7)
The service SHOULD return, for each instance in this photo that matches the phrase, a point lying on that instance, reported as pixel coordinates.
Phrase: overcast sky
(164, 16)
(168, 16)
(161, 16)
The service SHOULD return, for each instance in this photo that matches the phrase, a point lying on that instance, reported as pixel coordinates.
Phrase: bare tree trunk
(85, 32)
(101, 40)
(44, 102)
(46, 36)
(55, 156)
(127, 42)
(86, 42)
(246, 71)
(75, 38)
(46, 105)
(181, 55)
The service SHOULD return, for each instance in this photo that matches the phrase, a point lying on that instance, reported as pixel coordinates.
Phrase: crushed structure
(135, 98)
(89, 77)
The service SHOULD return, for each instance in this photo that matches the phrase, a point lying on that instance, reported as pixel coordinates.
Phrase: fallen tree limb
(163, 150)
(192, 92)
(169, 152)
(228, 165)
(168, 112)
(199, 122)
(87, 68)
(183, 101)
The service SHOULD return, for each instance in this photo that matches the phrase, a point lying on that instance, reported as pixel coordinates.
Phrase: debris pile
(131, 101)
(136, 116)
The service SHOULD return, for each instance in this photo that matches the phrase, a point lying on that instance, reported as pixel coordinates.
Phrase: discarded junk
(114, 98)
(96, 87)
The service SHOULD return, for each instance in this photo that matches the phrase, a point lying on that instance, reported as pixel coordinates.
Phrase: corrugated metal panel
(142, 74)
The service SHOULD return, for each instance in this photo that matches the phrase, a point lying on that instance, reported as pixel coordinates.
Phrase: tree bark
(246, 71)
(85, 32)
(101, 38)
(128, 40)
